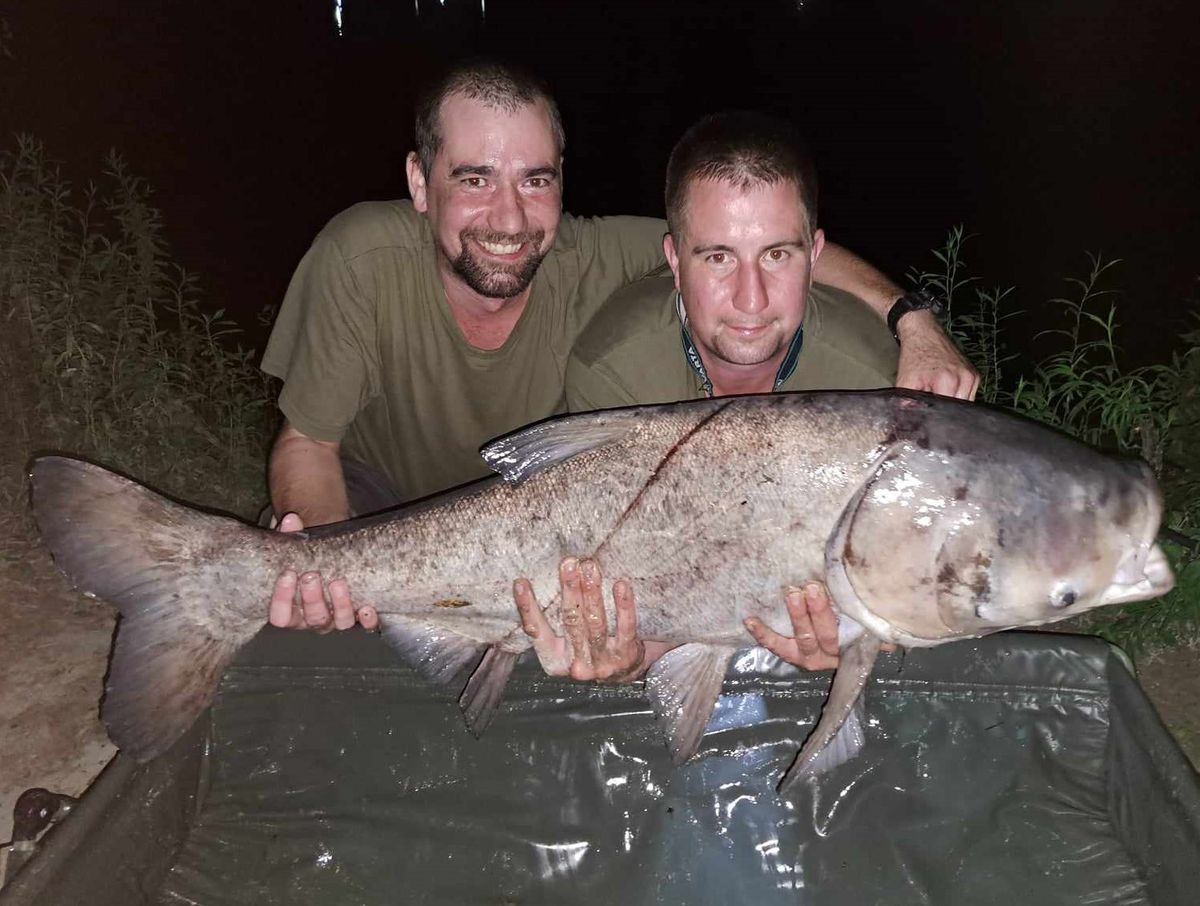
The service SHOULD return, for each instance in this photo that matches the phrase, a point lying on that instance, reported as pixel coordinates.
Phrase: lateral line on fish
(658, 469)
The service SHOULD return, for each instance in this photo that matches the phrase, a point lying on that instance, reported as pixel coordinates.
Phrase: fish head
(938, 546)
(1083, 541)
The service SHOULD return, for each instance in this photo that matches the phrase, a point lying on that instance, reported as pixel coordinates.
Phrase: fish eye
(1063, 597)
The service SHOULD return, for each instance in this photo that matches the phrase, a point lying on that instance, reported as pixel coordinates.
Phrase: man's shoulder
(638, 319)
(848, 339)
(372, 225)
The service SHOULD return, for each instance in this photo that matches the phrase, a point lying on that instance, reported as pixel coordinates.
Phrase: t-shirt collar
(692, 354)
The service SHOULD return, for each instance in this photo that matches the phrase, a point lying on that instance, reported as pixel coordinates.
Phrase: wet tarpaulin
(1020, 768)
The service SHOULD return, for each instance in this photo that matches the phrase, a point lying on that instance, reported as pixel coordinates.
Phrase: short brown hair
(498, 85)
(744, 148)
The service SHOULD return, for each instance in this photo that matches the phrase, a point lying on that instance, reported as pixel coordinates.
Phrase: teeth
(498, 249)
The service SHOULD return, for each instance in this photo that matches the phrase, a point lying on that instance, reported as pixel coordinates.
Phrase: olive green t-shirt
(371, 356)
(632, 351)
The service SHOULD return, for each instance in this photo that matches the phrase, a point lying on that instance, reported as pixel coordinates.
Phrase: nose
(751, 293)
(506, 214)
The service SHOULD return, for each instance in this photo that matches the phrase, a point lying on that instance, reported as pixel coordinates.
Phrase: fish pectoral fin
(525, 453)
(838, 735)
(683, 686)
(438, 655)
(481, 698)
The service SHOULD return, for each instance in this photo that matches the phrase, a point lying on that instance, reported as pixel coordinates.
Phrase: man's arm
(305, 477)
(928, 358)
(307, 488)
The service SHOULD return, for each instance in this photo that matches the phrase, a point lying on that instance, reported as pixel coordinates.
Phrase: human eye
(474, 182)
(716, 258)
(777, 256)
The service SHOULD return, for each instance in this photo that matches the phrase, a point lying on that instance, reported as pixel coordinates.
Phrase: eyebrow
(719, 247)
(486, 170)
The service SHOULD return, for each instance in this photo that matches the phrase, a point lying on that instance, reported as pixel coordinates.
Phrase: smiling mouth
(501, 249)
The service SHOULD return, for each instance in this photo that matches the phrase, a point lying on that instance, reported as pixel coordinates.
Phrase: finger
(595, 620)
(368, 617)
(312, 601)
(802, 627)
(290, 523)
(764, 635)
(572, 617)
(944, 383)
(533, 621)
(279, 612)
(973, 387)
(824, 620)
(626, 613)
(343, 607)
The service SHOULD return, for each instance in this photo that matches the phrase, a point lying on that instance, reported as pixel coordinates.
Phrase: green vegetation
(1084, 387)
(106, 352)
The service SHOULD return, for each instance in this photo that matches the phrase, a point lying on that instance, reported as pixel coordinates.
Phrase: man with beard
(412, 332)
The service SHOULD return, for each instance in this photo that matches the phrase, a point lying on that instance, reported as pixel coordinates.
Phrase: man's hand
(930, 361)
(587, 651)
(315, 606)
(814, 645)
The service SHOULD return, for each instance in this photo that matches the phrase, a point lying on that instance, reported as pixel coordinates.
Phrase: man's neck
(485, 322)
(729, 380)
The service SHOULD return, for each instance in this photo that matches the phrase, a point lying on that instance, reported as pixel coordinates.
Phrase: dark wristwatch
(914, 300)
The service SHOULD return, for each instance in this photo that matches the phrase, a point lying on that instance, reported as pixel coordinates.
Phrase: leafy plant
(107, 352)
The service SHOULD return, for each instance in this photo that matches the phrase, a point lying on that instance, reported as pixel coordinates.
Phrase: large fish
(928, 519)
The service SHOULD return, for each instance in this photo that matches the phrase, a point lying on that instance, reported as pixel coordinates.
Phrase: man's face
(494, 194)
(743, 264)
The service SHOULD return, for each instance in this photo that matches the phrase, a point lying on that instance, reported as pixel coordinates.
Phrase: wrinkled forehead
(476, 131)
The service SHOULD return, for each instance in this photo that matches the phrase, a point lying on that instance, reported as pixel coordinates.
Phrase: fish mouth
(1142, 574)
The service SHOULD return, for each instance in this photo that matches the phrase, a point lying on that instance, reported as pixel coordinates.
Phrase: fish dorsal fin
(527, 452)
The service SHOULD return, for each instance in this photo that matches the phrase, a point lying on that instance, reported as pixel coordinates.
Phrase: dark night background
(1048, 128)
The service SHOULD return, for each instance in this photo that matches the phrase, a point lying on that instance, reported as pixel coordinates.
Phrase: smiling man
(413, 332)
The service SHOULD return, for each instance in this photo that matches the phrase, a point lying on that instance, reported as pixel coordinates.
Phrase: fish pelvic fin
(683, 686)
(437, 655)
(527, 452)
(117, 540)
(481, 698)
(838, 736)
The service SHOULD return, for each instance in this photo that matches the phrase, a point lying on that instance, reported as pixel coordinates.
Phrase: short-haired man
(413, 332)
(736, 314)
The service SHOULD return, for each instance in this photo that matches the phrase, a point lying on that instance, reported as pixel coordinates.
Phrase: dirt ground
(54, 648)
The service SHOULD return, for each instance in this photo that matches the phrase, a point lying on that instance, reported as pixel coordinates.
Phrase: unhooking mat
(1022, 768)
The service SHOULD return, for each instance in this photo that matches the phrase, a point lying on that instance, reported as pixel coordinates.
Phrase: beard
(498, 281)
(735, 351)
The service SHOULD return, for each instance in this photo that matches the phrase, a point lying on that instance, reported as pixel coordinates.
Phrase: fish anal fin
(683, 686)
(527, 452)
(481, 697)
(438, 655)
(854, 669)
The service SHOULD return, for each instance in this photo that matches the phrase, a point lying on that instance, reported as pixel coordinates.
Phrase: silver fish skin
(928, 519)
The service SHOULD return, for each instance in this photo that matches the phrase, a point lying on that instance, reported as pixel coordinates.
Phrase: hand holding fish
(310, 609)
(814, 645)
(586, 651)
(930, 361)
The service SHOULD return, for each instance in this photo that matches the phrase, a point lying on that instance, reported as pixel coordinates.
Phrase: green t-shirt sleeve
(323, 345)
(615, 252)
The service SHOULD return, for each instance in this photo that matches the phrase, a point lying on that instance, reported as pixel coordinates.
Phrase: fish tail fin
(481, 698)
(838, 736)
(117, 540)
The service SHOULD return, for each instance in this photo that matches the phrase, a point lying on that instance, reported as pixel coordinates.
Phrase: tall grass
(1085, 386)
(107, 352)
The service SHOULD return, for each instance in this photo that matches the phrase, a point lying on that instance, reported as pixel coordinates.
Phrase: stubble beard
(729, 348)
(498, 281)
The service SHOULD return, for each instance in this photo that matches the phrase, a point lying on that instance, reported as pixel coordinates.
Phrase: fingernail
(570, 566)
(589, 571)
(308, 578)
(288, 575)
